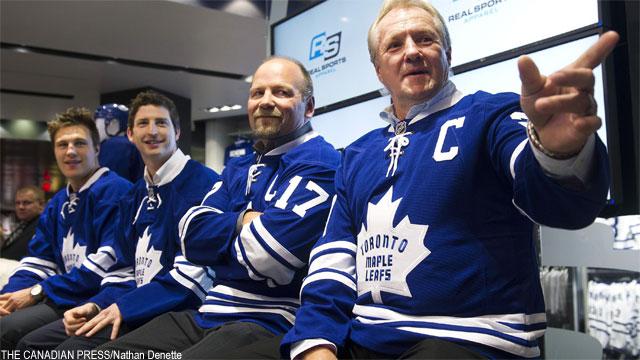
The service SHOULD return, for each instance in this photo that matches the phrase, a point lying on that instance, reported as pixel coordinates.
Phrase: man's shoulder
(488, 99)
(314, 151)
(364, 142)
(110, 184)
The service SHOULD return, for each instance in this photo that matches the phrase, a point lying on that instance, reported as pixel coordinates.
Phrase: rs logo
(325, 46)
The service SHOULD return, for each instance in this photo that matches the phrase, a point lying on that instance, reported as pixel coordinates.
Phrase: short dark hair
(307, 90)
(74, 116)
(37, 192)
(151, 97)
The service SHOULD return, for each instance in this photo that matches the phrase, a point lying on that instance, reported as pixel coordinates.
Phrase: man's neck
(77, 185)
(263, 146)
(153, 166)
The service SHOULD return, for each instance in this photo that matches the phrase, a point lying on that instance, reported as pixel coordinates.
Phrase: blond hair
(388, 5)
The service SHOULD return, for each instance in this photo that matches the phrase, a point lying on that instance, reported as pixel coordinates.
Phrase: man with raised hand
(255, 229)
(73, 249)
(161, 278)
(429, 248)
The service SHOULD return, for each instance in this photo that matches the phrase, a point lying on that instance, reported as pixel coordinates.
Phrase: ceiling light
(236, 107)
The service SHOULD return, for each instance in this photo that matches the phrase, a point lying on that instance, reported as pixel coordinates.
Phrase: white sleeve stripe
(337, 261)
(240, 258)
(211, 300)
(221, 309)
(116, 279)
(183, 225)
(102, 260)
(94, 268)
(514, 157)
(275, 245)
(107, 250)
(334, 245)
(188, 283)
(225, 290)
(39, 262)
(328, 275)
(41, 274)
(265, 264)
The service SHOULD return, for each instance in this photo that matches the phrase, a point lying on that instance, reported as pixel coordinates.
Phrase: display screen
(330, 39)
(481, 28)
(504, 76)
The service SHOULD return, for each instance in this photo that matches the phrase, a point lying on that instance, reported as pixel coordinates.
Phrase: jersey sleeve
(183, 287)
(40, 262)
(74, 287)
(276, 244)
(328, 292)
(544, 199)
(117, 272)
(204, 230)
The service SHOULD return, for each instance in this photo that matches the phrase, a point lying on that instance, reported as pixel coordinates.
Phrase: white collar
(168, 171)
(448, 96)
(96, 175)
(293, 143)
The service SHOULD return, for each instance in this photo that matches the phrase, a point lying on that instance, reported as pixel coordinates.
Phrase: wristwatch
(37, 292)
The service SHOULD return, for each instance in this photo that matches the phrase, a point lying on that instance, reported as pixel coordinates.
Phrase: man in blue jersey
(429, 250)
(73, 249)
(255, 229)
(154, 276)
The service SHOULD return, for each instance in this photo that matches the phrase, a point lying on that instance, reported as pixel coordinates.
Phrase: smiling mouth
(417, 72)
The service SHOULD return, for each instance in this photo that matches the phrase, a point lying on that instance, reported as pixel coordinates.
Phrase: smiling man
(255, 229)
(154, 276)
(429, 250)
(73, 249)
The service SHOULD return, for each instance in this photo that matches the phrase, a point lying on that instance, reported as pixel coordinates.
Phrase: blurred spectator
(29, 205)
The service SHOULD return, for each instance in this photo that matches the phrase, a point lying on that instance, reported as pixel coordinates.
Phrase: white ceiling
(159, 32)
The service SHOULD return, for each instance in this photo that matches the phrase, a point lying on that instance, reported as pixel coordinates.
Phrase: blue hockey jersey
(431, 235)
(74, 247)
(259, 270)
(120, 155)
(153, 276)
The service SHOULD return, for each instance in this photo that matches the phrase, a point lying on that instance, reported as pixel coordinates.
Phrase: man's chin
(266, 134)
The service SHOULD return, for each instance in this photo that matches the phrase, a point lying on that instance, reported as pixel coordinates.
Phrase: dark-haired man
(73, 249)
(429, 249)
(255, 229)
(161, 278)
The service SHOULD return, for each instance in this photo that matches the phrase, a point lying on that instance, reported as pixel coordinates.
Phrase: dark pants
(178, 331)
(21, 322)
(425, 349)
(52, 336)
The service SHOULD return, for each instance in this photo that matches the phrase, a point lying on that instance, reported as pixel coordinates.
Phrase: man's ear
(310, 107)
(177, 134)
(130, 134)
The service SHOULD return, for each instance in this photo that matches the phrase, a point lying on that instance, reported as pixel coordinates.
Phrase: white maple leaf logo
(387, 254)
(147, 259)
(73, 254)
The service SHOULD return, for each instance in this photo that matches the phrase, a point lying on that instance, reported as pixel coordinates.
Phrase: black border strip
(100, 58)
(37, 93)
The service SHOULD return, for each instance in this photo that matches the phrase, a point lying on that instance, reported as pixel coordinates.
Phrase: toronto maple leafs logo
(73, 254)
(147, 259)
(387, 254)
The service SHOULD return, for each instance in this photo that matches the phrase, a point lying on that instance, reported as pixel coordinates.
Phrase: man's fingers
(4, 312)
(579, 103)
(99, 326)
(115, 329)
(532, 81)
(596, 54)
(581, 79)
(88, 325)
(5, 296)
